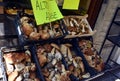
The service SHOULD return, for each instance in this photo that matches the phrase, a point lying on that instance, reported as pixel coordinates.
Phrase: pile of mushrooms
(44, 32)
(19, 66)
(76, 25)
(75, 64)
(50, 59)
(91, 55)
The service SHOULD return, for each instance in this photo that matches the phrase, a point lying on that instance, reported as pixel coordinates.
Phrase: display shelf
(115, 40)
(10, 32)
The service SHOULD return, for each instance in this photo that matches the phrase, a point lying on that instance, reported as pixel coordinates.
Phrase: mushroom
(26, 75)
(44, 34)
(34, 36)
(55, 46)
(19, 78)
(63, 68)
(10, 68)
(27, 28)
(19, 67)
(53, 51)
(69, 54)
(42, 59)
(64, 50)
(54, 61)
(83, 28)
(13, 75)
(33, 67)
(75, 21)
(47, 48)
(24, 19)
(45, 72)
(58, 55)
(87, 75)
(52, 73)
(74, 63)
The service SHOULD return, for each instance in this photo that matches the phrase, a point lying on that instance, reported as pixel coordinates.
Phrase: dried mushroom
(52, 69)
(19, 66)
(75, 64)
(91, 56)
(76, 25)
(39, 32)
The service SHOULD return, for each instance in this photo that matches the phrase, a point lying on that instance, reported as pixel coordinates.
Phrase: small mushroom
(74, 63)
(27, 28)
(69, 54)
(19, 67)
(75, 21)
(83, 28)
(64, 50)
(63, 68)
(45, 72)
(71, 67)
(54, 61)
(24, 19)
(42, 59)
(71, 24)
(87, 75)
(53, 51)
(58, 55)
(52, 73)
(55, 46)
(10, 68)
(33, 67)
(50, 56)
(26, 75)
(19, 78)
(45, 34)
(34, 36)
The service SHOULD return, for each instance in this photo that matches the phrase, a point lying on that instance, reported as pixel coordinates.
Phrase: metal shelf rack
(112, 36)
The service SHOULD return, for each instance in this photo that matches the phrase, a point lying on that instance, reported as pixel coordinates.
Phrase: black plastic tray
(92, 70)
(43, 43)
(19, 49)
(18, 5)
(78, 53)
(24, 41)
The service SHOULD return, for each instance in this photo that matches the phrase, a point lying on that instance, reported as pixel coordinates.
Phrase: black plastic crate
(77, 53)
(12, 8)
(51, 32)
(91, 46)
(28, 63)
(51, 50)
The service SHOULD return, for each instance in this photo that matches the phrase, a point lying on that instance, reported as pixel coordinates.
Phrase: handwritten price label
(45, 11)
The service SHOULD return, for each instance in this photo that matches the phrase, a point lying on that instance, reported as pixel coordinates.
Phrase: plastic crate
(57, 33)
(18, 51)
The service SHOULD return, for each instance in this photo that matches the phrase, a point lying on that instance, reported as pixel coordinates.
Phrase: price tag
(45, 11)
(71, 4)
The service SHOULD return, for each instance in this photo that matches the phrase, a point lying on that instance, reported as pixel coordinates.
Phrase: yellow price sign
(71, 4)
(45, 11)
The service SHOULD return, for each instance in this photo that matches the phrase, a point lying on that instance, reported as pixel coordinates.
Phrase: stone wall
(102, 24)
